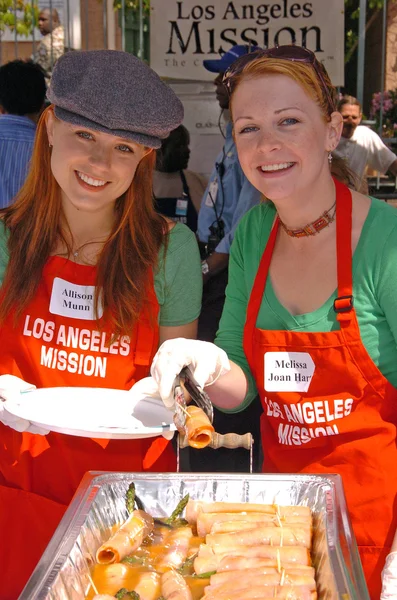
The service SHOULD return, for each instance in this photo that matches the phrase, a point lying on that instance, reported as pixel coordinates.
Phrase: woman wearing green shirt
(310, 316)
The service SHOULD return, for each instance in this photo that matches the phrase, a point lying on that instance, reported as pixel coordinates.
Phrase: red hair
(126, 261)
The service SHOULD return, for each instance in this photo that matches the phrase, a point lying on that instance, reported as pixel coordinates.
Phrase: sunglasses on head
(290, 53)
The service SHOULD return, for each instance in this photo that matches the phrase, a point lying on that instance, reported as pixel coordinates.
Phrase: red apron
(56, 342)
(327, 407)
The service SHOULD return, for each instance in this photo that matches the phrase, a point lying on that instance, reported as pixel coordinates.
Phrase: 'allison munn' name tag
(73, 301)
(288, 371)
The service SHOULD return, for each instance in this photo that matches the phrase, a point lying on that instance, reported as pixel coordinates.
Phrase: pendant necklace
(76, 252)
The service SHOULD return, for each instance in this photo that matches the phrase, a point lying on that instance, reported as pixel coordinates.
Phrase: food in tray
(221, 551)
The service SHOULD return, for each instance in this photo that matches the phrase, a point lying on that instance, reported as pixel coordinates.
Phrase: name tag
(288, 371)
(73, 301)
(212, 193)
(181, 207)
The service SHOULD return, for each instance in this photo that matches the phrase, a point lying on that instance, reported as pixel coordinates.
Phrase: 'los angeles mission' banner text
(183, 33)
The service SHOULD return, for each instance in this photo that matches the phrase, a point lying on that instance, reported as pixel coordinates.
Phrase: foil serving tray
(99, 504)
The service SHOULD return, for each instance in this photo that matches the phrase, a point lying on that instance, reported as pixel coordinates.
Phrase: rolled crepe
(198, 428)
(265, 593)
(251, 574)
(233, 526)
(206, 521)
(278, 536)
(174, 587)
(127, 539)
(234, 564)
(209, 559)
(148, 586)
(290, 581)
(176, 546)
(194, 507)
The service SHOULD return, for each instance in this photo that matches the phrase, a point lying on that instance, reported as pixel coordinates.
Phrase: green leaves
(26, 16)
(134, 6)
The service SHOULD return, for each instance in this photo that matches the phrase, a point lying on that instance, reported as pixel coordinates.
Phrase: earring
(50, 146)
(329, 158)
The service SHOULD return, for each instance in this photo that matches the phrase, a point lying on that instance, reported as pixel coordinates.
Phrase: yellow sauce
(105, 581)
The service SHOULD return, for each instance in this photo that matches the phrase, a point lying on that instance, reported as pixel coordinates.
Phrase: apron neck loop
(185, 186)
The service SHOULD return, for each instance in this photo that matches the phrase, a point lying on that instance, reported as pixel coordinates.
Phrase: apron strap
(185, 186)
(257, 292)
(343, 304)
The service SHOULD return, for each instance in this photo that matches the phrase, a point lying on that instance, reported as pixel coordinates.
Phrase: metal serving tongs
(185, 380)
(196, 393)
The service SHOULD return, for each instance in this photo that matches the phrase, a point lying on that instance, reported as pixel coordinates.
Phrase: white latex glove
(10, 389)
(206, 361)
(148, 388)
(389, 577)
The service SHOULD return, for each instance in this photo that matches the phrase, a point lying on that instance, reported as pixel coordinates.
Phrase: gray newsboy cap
(114, 92)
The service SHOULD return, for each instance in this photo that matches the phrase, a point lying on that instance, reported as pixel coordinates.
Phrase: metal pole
(140, 29)
(383, 65)
(382, 79)
(86, 24)
(33, 28)
(51, 38)
(15, 30)
(105, 24)
(361, 51)
(68, 25)
(123, 24)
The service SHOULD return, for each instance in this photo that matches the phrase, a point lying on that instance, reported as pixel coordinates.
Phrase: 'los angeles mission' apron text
(75, 349)
(67, 336)
(299, 417)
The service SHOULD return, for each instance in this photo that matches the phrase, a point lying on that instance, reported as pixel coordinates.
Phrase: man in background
(22, 94)
(52, 46)
(359, 146)
(228, 196)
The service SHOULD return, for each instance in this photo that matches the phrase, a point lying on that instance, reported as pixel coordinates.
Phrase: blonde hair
(304, 74)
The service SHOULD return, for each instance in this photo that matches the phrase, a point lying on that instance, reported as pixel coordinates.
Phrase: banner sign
(183, 33)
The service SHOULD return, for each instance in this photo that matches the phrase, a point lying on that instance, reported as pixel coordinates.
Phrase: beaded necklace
(312, 228)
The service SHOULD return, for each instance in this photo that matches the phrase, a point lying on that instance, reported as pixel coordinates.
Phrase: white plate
(93, 412)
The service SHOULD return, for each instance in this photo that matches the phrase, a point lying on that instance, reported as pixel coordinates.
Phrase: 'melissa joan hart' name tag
(288, 371)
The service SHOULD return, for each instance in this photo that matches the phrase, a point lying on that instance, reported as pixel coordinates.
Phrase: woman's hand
(10, 389)
(207, 362)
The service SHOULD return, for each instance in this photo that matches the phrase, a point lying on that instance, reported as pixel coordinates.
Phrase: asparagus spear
(131, 499)
(125, 594)
(174, 518)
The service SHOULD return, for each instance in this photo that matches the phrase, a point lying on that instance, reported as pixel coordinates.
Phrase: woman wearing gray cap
(92, 279)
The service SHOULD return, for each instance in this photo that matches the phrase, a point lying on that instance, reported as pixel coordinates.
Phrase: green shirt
(374, 290)
(178, 280)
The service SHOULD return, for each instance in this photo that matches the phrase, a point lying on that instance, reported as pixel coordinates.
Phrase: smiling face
(93, 169)
(281, 136)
